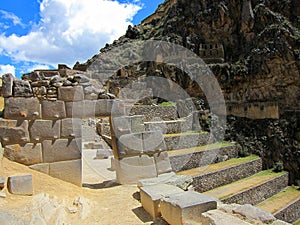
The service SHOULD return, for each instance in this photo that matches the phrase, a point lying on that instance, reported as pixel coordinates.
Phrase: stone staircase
(237, 180)
(217, 171)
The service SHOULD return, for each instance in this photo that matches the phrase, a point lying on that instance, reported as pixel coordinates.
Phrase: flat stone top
(188, 199)
(158, 191)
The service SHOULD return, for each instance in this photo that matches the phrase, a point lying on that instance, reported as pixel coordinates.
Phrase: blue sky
(39, 34)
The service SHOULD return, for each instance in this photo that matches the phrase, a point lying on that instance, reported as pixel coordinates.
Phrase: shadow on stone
(103, 185)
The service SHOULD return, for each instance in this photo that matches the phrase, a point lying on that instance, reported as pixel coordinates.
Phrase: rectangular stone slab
(75, 109)
(28, 154)
(71, 127)
(53, 110)
(131, 170)
(44, 129)
(22, 108)
(41, 167)
(189, 205)
(162, 162)
(20, 185)
(130, 144)
(70, 93)
(70, 171)
(61, 150)
(152, 194)
(14, 131)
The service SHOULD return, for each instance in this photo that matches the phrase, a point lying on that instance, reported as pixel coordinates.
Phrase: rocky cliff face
(252, 47)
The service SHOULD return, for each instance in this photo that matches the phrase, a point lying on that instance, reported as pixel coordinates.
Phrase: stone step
(186, 140)
(185, 159)
(284, 206)
(251, 190)
(219, 174)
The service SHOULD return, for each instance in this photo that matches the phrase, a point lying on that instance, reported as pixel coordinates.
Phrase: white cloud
(4, 69)
(10, 16)
(70, 31)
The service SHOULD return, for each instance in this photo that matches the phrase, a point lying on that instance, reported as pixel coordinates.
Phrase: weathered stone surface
(218, 217)
(75, 109)
(130, 144)
(70, 171)
(13, 131)
(71, 127)
(181, 181)
(252, 212)
(41, 167)
(152, 195)
(162, 162)
(22, 108)
(22, 88)
(7, 85)
(121, 126)
(2, 182)
(130, 170)
(71, 94)
(28, 154)
(20, 185)
(153, 141)
(53, 110)
(177, 208)
(44, 129)
(103, 153)
(61, 150)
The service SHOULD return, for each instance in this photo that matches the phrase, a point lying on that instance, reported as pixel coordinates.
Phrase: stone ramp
(285, 205)
(251, 190)
(215, 175)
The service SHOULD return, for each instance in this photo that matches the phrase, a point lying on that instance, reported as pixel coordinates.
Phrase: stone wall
(42, 122)
(261, 192)
(290, 213)
(218, 178)
(258, 110)
(154, 112)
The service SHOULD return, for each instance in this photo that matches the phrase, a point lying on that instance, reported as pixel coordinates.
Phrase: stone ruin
(42, 126)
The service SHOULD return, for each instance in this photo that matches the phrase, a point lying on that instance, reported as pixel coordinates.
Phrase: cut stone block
(41, 167)
(20, 185)
(53, 110)
(70, 171)
(75, 109)
(151, 196)
(130, 170)
(115, 107)
(22, 108)
(162, 162)
(101, 108)
(44, 129)
(153, 141)
(7, 85)
(2, 182)
(121, 126)
(13, 131)
(103, 153)
(218, 217)
(89, 108)
(28, 154)
(130, 144)
(137, 123)
(71, 127)
(181, 181)
(189, 205)
(61, 150)
(71, 93)
(22, 88)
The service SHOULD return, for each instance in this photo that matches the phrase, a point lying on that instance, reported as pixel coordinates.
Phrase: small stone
(20, 185)
(103, 153)
(252, 212)
(2, 182)
(72, 210)
(2, 194)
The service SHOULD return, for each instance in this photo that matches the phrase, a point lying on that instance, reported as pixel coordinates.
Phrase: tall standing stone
(7, 85)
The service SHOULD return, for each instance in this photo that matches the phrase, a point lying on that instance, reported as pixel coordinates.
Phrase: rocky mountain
(251, 46)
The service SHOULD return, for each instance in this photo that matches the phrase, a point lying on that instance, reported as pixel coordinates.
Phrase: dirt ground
(109, 203)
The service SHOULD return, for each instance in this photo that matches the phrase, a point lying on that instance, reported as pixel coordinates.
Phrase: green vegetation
(167, 104)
